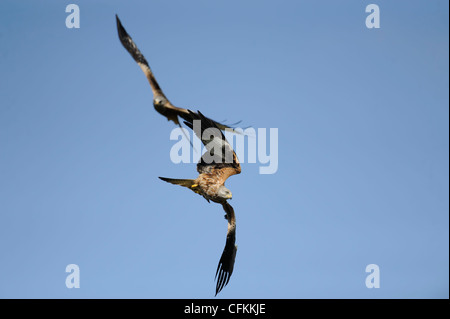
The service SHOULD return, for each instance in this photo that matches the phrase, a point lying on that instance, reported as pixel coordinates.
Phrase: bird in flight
(160, 102)
(217, 164)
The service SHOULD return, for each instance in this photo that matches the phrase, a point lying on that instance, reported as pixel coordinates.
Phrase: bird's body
(203, 185)
(208, 188)
(210, 182)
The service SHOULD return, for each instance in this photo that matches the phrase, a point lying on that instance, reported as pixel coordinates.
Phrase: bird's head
(224, 193)
(160, 103)
(159, 100)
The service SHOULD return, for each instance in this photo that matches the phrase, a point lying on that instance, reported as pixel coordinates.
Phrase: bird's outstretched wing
(160, 101)
(220, 156)
(165, 108)
(226, 263)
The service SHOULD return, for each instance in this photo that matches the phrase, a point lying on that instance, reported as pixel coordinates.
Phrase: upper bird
(160, 101)
(217, 164)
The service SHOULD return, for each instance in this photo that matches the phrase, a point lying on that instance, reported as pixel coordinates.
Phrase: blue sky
(363, 149)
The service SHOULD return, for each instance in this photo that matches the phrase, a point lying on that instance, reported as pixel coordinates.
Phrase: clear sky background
(363, 128)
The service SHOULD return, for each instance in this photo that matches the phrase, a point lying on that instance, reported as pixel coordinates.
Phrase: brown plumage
(217, 164)
(160, 102)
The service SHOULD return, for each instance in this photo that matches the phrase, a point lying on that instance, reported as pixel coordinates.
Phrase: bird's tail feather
(189, 183)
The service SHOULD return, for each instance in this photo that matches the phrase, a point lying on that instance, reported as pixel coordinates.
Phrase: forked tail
(182, 182)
